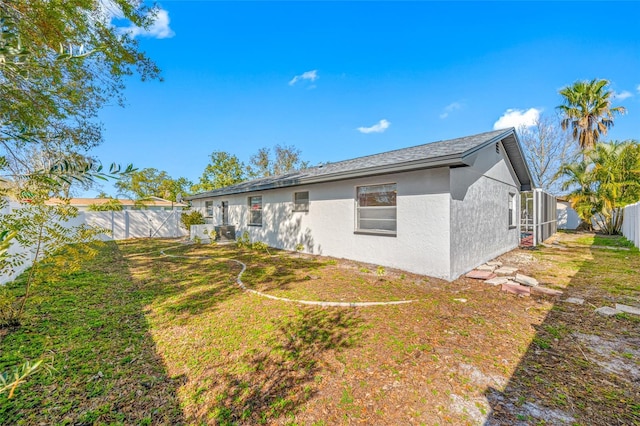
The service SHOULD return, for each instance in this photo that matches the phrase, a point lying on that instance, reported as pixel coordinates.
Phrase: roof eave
(444, 161)
(531, 184)
(524, 177)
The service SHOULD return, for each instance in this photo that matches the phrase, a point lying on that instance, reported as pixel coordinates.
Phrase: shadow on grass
(277, 270)
(280, 379)
(184, 285)
(92, 328)
(581, 368)
(204, 265)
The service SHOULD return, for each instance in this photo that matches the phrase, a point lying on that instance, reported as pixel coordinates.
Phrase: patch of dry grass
(178, 341)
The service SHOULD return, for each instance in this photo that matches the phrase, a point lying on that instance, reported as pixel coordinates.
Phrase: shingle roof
(442, 153)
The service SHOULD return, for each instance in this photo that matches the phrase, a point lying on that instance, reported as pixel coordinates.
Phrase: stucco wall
(421, 244)
(479, 211)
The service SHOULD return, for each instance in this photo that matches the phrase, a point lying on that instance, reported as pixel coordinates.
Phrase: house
(438, 209)
(150, 203)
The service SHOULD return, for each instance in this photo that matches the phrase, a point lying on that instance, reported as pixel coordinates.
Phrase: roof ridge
(411, 147)
(451, 150)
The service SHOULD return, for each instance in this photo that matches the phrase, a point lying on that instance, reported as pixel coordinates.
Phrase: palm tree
(606, 180)
(587, 110)
(582, 197)
(617, 173)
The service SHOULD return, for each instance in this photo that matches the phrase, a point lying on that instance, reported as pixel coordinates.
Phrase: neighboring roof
(151, 201)
(451, 152)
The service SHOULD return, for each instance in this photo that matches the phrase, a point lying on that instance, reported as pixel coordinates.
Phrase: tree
(260, 164)
(152, 182)
(224, 169)
(546, 148)
(285, 159)
(60, 62)
(57, 249)
(587, 110)
(616, 173)
(605, 181)
(582, 197)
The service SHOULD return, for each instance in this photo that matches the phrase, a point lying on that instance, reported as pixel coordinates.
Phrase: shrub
(191, 218)
(244, 241)
(260, 246)
(9, 312)
(211, 234)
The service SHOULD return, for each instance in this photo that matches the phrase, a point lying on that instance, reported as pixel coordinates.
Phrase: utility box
(225, 233)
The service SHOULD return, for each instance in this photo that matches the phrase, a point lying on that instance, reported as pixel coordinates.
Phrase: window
(376, 209)
(301, 201)
(512, 210)
(255, 211)
(208, 209)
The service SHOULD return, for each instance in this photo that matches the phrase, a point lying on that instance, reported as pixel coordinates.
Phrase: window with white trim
(301, 201)
(513, 220)
(255, 211)
(376, 209)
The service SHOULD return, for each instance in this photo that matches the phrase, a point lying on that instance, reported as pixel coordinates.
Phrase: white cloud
(622, 95)
(453, 106)
(159, 29)
(638, 88)
(380, 127)
(516, 118)
(309, 75)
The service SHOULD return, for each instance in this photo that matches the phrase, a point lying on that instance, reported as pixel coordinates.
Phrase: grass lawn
(138, 338)
(597, 240)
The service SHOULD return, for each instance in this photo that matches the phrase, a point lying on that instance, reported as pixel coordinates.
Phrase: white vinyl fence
(119, 226)
(135, 223)
(631, 223)
(16, 249)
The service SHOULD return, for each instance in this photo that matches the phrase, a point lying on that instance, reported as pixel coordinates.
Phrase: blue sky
(339, 80)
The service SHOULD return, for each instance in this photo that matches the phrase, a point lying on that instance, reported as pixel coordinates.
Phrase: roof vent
(497, 147)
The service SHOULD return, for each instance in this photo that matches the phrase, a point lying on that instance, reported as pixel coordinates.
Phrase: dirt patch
(524, 414)
(616, 354)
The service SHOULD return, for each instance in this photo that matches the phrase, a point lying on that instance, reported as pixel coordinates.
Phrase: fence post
(126, 224)
(636, 224)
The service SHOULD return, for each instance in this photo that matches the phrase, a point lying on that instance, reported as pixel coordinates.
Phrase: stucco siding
(479, 219)
(421, 243)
